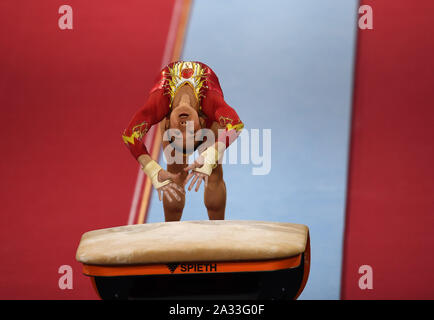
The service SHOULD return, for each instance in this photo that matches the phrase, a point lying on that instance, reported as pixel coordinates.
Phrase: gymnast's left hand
(198, 177)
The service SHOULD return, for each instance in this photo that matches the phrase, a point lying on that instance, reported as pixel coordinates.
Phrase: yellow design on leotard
(195, 80)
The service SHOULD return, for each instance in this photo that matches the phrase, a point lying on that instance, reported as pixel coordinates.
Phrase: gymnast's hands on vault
(162, 180)
(170, 189)
(197, 176)
(202, 168)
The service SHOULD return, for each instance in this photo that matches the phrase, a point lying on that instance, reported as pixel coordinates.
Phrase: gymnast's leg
(215, 195)
(173, 209)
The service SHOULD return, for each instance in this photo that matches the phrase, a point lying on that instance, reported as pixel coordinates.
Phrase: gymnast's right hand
(170, 189)
(161, 179)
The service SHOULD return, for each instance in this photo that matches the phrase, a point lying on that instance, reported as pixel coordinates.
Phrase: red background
(65, 97)
(390, 209)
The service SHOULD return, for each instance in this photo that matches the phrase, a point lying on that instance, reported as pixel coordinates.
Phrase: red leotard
(207, 89)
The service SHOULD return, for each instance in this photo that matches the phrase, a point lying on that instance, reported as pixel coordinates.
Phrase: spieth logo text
(192, 267)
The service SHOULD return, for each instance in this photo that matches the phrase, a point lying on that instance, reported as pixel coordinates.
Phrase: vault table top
(185, 241)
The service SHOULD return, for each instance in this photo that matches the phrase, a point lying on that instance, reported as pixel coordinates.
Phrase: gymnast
(185, 101)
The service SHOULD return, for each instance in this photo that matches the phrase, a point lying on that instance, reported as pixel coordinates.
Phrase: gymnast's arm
(151, 113)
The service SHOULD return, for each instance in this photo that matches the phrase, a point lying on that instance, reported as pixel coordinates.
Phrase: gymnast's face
(185, 118)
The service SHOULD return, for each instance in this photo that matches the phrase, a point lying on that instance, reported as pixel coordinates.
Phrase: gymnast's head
(184, 121)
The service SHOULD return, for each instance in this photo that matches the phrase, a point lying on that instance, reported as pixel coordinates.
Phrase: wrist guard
(151, 170)
(211, 157)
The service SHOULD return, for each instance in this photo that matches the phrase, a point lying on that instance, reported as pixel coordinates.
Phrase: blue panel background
(287, 66)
